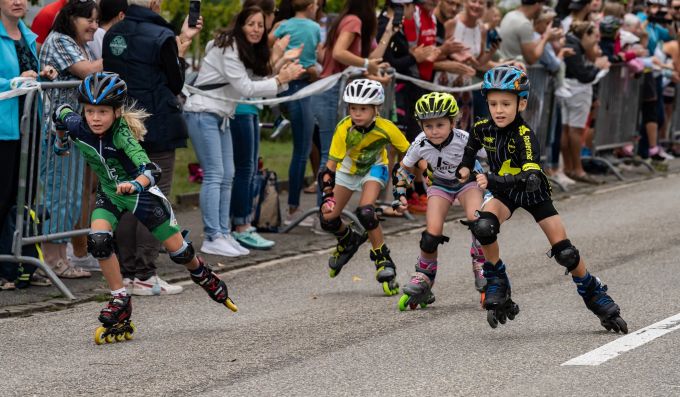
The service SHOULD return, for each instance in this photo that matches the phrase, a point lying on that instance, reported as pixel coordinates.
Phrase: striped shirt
(510, 150)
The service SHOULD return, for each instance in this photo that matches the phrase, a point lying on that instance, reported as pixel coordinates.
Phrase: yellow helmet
(435, 105)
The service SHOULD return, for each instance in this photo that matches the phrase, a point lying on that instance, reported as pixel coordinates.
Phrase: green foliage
(216, 14)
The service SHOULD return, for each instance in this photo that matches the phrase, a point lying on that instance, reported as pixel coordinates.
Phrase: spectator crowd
(277, 48)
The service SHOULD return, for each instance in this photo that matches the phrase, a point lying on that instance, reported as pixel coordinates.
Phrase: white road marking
(627, 342)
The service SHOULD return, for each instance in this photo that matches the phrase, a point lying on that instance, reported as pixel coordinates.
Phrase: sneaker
(316, 227)
(563, 179)
(307, 222)
(127, 283)
(251, 239)
(415, 205)
(280, 124)
(88, 263)
(231, 241)
(66, 270)
(220, 246)
(154, 285)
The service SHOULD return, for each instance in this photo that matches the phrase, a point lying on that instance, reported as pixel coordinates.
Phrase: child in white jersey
(441, 145)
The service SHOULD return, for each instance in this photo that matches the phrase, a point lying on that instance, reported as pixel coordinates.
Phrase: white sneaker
(220, 246)
(87, 262)
(154, 286)
(316, 227)
(235, 244)
(127, 283)
(307, 222)
(563, 179)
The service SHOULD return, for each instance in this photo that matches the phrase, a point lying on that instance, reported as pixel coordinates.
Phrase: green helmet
(435, 105)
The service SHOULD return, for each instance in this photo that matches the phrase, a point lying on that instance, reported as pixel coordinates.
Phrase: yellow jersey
(357, 152)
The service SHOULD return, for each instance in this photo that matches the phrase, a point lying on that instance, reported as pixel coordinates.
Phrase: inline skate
(214, 286)
(418, 291)
(115, 318)
(386, 271)
(595, 296)
(346, 248)
(498, 302)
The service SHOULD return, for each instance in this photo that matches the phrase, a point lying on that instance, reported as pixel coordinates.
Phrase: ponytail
(135, 120)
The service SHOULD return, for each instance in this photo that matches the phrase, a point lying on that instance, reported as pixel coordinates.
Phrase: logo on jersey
(523, 129)
(511, 146)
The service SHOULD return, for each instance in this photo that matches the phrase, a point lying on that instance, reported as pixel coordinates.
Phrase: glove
(59, 114)
(137, 187)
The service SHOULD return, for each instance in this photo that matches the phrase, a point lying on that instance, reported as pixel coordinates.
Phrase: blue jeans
(211, 138)
(325, 108)
(302, 124)
(245, 132)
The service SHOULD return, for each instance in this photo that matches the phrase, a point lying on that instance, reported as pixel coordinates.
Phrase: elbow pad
(152, 172)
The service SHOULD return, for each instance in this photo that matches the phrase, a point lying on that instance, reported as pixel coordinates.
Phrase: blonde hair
(134, 118)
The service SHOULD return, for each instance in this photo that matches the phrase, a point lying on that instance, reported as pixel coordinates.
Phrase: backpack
(267, 210)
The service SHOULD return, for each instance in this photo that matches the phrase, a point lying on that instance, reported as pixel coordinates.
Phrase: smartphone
(492, 37)
(398, 15)
(194, 12)
(557, 23)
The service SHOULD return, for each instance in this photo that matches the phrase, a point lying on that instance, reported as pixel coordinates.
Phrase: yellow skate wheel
(332, 273)
(99, 335)
(423, 305)
(120, 337)
(386, 288)
(129, 334)
(110, 338)
(403, 302)
(230, 305)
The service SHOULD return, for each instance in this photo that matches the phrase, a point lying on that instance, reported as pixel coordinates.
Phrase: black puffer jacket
(578, 67)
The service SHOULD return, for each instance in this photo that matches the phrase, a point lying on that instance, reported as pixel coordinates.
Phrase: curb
(57, 304)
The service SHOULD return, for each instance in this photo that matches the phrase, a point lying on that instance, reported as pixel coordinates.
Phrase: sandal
(38, 280)
(66, 270)
(6, 285)
(586, 178)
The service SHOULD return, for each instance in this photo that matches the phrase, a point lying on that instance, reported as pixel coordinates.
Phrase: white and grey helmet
(364, 92)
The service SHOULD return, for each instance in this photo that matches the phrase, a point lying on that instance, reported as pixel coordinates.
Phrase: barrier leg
(313, 212)
(44, 267)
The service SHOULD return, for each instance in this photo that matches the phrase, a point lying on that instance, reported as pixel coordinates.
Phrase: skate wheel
(130, 334)
(482, 297)
(623, 326)
(388, 290)
(110, 338)
(502, 318)
(333, 273)
(230, 305)
(491, 318)
(412, 306)
(403, 301)
(423, 305)
(99, 335)
(120, 337)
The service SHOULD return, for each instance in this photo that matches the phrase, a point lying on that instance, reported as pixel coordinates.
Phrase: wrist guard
(326, 186)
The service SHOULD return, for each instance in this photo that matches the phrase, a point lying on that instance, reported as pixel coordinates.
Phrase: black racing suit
(512, 150)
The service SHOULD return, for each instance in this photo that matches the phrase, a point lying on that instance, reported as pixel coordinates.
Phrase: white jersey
(442, 161)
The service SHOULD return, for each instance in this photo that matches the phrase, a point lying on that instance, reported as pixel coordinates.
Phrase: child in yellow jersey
(357, 161)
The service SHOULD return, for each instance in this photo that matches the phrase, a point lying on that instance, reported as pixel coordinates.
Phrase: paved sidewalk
(299, 240)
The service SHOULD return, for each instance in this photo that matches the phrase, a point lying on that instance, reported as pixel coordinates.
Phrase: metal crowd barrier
(49, 186)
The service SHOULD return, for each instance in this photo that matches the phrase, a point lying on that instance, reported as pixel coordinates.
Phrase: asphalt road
(298, 332)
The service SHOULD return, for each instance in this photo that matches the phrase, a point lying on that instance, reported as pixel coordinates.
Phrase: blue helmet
(103, 88)
(506, 78)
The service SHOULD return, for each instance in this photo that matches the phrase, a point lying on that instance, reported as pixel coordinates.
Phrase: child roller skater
(441, 145)
(517, 181)
(108, 140)
(358, 162)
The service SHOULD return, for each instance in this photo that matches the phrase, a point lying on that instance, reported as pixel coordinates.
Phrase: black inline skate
(386, 271)
(346, 248)
(498, 302)
(595, 296)
(214, 286)
(115, 319)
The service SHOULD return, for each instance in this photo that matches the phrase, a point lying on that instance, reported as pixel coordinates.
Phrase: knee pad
(183, 255)
(565, 254)
(330, 225)
(100, 244)
(367, 217)
(485, 228)
(430, 242)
